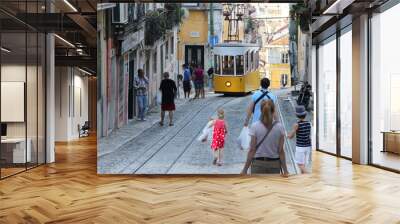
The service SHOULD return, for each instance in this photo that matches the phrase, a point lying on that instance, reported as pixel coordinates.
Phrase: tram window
(247, 61)
(228, 65)
(252, 61)
(217, 64)
(239, 65)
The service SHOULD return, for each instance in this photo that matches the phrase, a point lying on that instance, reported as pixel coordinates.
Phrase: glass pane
(327, 97)
(228, 66)
(385, 84)
(239, 65)
(251, 66)
(41, 99)
(217, 64)
(346, 94)
(247, 61)
(13, 80)
(31, 98)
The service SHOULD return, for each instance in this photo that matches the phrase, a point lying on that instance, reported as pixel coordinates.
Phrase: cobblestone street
(148, 148)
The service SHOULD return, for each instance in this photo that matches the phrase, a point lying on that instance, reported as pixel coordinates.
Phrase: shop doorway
(194, 54)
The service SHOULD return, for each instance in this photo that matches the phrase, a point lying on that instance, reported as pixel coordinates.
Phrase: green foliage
(301, 13)
(173, 15)
(159, 21)
(250, 26)
(154, 27)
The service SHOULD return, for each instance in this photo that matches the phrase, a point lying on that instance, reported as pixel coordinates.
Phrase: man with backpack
(254, 106)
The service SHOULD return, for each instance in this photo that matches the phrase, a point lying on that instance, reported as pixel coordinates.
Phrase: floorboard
(70, 191)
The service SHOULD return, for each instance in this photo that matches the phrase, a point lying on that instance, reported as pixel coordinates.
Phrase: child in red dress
(218, 140)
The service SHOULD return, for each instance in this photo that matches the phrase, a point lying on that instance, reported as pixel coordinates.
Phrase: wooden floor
(69, 191)
(5, 172)
(387, 159)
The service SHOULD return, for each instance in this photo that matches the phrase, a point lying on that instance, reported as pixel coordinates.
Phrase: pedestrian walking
(168, 92)
(218, 139)
(254, 108)
(266, 154)
(141, 84)
(199, 82)
(186, 80)
(302, 131)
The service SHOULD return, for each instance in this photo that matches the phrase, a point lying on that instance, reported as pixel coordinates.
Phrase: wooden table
(391, 141)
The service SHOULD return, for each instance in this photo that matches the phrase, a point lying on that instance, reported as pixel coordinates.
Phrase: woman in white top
(266, 154)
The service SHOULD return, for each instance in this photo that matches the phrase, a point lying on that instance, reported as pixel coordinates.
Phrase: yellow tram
(236, 68)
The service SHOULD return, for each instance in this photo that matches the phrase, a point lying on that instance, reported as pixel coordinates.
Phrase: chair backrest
(86, 125)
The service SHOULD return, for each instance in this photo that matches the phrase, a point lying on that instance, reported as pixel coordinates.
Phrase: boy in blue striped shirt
(302, 131)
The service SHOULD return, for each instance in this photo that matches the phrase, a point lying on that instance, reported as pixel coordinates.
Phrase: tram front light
(228, 84)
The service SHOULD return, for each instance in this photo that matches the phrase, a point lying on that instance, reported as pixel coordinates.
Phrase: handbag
(266, 135)
(158, 97)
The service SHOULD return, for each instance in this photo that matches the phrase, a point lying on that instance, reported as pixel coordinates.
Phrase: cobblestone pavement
(122, 135)
(147, 148)
(134, 128)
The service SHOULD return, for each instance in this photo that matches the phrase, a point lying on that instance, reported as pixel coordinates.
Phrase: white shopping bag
(244, 139)
(207, 131)
(158, 98)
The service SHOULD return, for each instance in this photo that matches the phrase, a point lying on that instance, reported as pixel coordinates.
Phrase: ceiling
(338, 14)
(72, 20)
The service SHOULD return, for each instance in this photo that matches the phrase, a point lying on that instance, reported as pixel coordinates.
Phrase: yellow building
(278, 66)
(193, 36)
(279, 73)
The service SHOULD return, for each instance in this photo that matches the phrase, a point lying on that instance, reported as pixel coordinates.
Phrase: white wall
(12, 73)
(61, 103)
(81, 82)
(71, 87)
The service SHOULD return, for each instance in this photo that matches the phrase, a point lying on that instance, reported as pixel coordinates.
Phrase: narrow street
(175, 150)
(257, 48)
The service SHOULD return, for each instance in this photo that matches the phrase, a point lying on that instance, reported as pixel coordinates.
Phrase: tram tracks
(211, 107)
